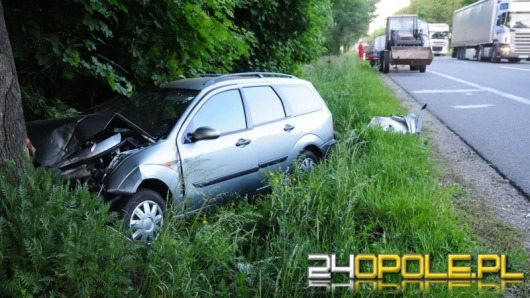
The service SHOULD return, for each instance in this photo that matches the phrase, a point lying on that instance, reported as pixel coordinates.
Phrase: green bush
(55, 241)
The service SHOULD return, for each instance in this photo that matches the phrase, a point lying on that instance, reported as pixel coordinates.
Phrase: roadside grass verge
(377, 193)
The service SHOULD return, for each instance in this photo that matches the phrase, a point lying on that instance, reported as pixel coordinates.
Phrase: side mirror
(204, 133)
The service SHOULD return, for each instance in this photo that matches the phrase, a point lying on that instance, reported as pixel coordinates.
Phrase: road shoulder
(498, 212)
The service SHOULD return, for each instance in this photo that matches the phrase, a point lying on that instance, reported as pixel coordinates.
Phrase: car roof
(191, 83)
(208, 79)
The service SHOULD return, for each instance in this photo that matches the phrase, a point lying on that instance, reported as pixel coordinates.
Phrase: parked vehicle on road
(406, 43)
(190, 143)
(492, 30)
(439, 38)
(371, 54)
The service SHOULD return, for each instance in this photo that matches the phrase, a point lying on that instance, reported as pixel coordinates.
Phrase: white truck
(439, 36)
(492, 30)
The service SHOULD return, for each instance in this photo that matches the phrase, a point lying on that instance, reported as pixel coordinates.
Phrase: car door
(274, 134)
(219, 165)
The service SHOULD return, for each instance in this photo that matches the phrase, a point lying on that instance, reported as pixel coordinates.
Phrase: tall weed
(55, 241)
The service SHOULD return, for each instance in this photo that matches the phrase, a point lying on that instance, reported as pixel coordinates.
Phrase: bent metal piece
(407, 124)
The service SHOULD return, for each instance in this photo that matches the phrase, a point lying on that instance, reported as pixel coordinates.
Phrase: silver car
(197, 142)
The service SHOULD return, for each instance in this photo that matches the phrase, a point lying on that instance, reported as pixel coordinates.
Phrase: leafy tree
(81, 52)
(435, 11)
(287, 33)
(351, 19)
(12, 132)
(84, 51)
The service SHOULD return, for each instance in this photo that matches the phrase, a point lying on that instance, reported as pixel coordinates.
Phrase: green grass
(377, 193)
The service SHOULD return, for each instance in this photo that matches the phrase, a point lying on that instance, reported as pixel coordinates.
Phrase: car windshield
(154, 111)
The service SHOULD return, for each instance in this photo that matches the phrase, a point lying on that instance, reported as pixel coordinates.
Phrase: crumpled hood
(57, 139)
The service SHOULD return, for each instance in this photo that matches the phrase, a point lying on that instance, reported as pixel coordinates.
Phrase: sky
(384, 9)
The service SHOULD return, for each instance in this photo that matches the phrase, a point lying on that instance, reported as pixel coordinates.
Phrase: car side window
(223, 111)
(299, 98)
(264, 104)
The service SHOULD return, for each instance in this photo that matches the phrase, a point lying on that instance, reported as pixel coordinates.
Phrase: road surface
(486, 104)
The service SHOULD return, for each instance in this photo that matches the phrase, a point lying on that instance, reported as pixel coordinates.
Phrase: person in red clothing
(361, 50)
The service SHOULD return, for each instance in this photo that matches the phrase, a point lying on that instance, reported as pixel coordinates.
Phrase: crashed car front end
(85, 148)
(103, 149)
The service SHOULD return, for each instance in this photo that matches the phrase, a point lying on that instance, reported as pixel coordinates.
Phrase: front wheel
(494, 58)
(143, 215)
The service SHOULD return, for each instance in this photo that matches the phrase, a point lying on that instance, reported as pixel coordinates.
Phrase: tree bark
(12, 125)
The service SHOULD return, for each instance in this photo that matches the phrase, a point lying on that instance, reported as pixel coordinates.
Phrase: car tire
(307, 160)
(143, 215)
(422, 68)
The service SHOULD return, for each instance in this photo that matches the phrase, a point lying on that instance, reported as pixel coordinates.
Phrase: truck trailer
(492, 30)
(439, 36)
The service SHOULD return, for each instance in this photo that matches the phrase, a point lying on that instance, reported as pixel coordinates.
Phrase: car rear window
(300, 99)
(264, 104)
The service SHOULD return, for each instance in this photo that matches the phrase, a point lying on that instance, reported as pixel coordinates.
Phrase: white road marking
(447, 91)
(494, 91)
(474, 106)
(516, 68)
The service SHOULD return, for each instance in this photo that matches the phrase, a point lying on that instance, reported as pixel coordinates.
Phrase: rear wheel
(413, 67)
(386, 62)
(143, 215)
(461, 53)
(423, 68)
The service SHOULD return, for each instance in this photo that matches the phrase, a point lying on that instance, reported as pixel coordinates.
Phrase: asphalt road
(486, 104)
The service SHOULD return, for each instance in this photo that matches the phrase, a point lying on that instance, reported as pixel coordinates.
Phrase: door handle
(242, 142)
(288, 127)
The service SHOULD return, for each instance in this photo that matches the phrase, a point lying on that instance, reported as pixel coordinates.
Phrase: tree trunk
(12, 126)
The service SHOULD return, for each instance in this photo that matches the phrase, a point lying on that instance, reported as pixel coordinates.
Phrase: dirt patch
(498, 212)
